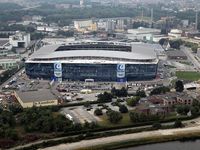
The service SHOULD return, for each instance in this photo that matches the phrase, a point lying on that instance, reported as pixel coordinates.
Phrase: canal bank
(175, 145)
(134, 139)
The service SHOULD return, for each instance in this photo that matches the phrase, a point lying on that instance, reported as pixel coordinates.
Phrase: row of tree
(185, 109)
(119, 92)
(142, 117)
(107, 97)
(160, 90)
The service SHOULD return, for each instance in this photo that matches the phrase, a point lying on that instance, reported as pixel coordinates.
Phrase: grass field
(126, 120)
(193, 76)
(106, 123)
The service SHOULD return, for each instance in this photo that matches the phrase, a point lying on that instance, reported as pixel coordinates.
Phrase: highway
(191, 57)
(11, 77)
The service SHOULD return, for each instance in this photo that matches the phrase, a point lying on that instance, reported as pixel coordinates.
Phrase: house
(172, 98)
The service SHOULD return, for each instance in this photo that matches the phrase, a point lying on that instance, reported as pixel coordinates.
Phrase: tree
(160, 90)
(98, 112)
(179, 86)
(195, 111)
(123, 109)
(114, 116)
(163, 31)
(133, 101)
(178, 124)
(175, 44)
(141, 93)
(15, 109)
(87, 104)
(12, 134)
(162, 41)
(119, 92)
(105, 97)
(141, 117)
(123, 92)
(183, 109)
(194, 49)
(179, 110)
(134, 117)
(196, 103)
(157, 125)
(113, 91)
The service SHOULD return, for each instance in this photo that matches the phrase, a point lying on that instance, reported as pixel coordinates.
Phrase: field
(106, 123)
(193, 76)
(126, 120)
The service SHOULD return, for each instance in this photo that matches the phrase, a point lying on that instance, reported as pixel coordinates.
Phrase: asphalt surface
(7, 81)
(191, 57)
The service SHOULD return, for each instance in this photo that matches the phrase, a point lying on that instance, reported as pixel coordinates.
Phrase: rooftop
(176, 53)
(139, 52)
(35, 96)
(173, 96)
(3, 42)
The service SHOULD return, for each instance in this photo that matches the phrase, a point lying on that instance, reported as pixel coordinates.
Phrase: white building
(82, 24)
(81, 3)
(175, 33)
(47, 29)
(110, 25)
(101, 24)
(146, 34)
(120, 24)
(8, 63)
(20, 40)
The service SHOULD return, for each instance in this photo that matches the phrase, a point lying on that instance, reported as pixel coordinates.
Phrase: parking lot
(79, 114)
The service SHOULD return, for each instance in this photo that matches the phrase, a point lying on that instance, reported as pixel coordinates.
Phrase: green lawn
(126, 120)
(106, 123)
(183, 75)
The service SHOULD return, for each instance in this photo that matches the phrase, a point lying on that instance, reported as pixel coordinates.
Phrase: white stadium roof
(140, 52)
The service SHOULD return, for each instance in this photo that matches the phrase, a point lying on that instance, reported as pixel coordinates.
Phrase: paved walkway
(124, 137)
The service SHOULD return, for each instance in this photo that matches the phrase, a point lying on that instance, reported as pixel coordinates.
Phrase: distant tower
(142, 14)
(152, 17)
(81, 3)
(196, 21)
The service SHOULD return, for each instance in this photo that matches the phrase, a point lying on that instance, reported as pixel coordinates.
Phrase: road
(191, 57)
(11, 77)
(197, 120)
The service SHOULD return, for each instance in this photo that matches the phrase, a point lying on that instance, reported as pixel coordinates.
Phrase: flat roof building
(176, 54)
(37, 98)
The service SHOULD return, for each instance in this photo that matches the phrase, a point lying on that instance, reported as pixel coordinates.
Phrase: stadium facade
(101, 61)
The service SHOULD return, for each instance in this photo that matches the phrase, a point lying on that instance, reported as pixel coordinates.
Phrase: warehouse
(36, 98)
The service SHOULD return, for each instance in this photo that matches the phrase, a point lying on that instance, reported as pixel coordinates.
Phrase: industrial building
(100, 61)
(37, 98)
(176, 54)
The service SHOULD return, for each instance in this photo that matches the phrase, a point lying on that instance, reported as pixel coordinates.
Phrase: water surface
(189, 145)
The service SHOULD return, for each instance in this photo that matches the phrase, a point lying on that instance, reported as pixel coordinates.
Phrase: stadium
(99, 61)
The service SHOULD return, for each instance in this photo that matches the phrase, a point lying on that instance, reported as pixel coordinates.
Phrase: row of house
(162, 104)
